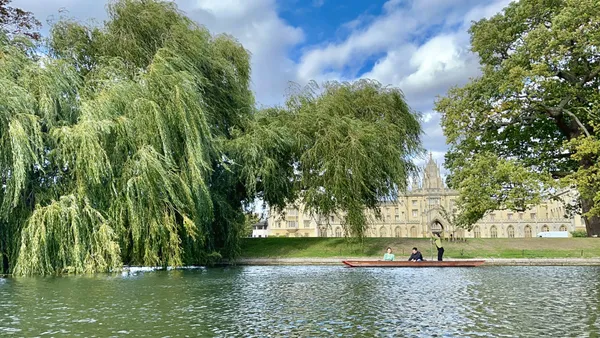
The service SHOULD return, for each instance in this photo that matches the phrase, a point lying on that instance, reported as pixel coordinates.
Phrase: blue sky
(420, 46)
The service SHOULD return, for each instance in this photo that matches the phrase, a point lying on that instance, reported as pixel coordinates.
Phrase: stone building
(418, 212)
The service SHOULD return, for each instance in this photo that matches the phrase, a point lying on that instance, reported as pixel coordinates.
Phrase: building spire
(432, 179)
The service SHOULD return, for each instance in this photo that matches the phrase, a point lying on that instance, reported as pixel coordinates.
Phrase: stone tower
(432, 179)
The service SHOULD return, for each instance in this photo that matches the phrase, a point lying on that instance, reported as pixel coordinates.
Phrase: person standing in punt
(438, 244)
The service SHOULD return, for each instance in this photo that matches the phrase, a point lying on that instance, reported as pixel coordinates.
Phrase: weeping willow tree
(342, 147)
(112, 143)
(137, 142)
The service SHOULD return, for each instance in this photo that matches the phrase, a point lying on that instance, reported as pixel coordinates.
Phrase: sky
(420, 46)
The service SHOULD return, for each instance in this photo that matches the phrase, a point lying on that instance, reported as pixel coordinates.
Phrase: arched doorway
(397, 232)
(528, 231)
(382, 232)
(436, 226)
(413, 232)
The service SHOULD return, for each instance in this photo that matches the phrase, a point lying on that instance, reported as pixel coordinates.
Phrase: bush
(579, 233)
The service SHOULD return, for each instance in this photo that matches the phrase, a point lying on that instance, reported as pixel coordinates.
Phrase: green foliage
(340, 248)
(129, 124)
(251, 219)
(67, 236)
(490, 183)
(538, 94)
(342, 147)
(587, 177)
(359, 140)
(137, 142)
(579, 233)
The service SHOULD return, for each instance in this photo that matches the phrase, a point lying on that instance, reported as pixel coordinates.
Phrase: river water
(308, 301)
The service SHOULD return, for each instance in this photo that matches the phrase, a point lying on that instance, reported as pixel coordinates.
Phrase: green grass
(374, 247)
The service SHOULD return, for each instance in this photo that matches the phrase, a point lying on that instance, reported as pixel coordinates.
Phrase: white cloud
(392, 31)
(442, 61)
(439, 56)
(392, 68)
(433, 134)
(479, 12)
(428, 70)
(359, 45)
(428, 116)
(259, 28)
(255, 23)
(227, 9)
(422, 69)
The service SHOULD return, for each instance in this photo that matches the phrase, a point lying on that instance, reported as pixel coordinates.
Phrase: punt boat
(407, 264)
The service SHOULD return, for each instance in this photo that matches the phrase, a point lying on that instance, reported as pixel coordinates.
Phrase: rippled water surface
(308, 301)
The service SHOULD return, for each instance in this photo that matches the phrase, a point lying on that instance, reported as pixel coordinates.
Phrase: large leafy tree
(342, 147)
(529, 123)
(111, 143)
(138, 142)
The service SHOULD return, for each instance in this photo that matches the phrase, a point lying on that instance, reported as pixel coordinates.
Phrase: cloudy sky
(421, 46)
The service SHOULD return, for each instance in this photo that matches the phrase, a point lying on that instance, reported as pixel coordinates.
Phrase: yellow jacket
(437, 241)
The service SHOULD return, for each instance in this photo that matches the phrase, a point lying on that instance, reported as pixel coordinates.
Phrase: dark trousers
(440, 253)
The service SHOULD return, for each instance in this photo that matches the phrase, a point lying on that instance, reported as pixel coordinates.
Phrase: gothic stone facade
(418, 212)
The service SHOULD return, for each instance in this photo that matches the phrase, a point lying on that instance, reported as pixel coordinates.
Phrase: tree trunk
(592, 224)
(4, 268)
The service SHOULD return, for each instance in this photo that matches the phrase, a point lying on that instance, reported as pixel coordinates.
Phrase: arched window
(324, 232)
(338, 232)
(527, 231)
(563, 228)
(477, 232)
(436, 227)
(397, 232)
(413, 232)
(545, 228)
(493, 232)
(510, 231)
(382, 232)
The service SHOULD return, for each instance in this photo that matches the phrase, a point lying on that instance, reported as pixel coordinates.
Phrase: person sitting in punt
(388, 256)
(415, 256)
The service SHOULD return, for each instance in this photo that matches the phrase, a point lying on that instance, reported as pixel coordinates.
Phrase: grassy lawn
(375, 247)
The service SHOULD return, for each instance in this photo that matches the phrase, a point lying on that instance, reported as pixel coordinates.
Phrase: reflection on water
(308, 301)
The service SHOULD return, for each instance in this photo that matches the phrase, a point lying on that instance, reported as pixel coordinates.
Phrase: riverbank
(275, 248)
(488, 261)
(331, 251)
